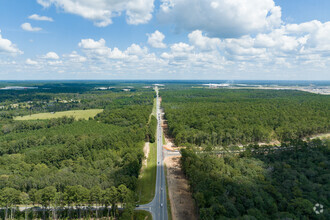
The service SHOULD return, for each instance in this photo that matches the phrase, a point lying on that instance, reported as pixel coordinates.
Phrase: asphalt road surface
(158, 206)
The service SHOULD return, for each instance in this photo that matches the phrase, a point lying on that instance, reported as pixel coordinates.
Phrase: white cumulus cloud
(135, 49)
(156, 39)
(6, 46)
(28, 27)
(94, 48)
(179, 52)
(40, 18)
(55, 62)
(75, 57)
(292, 44)
(31, 62)
(203, 42)
(101, 12)
(51, 56)
(221, 18)
(98, 49)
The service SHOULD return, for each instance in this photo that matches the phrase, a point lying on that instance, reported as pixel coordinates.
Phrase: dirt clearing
(146, 150)
(182, 203)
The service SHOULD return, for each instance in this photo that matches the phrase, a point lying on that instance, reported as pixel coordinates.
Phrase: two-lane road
(158, 206)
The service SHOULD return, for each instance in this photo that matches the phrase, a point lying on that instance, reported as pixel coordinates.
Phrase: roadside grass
(77, 114)
(169, 211)
(163, 137)
(147, 179)
(154, 111)
(142, 215)
(154, 108)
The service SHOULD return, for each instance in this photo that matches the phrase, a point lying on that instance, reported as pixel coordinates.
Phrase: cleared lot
(77, 114)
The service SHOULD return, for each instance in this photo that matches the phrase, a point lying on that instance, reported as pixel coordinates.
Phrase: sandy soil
(169, 145)
(321, 136)
(146, 150)
(182, 203)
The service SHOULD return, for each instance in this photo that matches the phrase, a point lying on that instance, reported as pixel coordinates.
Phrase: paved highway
(158, 206)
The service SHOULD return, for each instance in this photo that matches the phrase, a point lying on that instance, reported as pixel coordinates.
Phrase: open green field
(77, 114)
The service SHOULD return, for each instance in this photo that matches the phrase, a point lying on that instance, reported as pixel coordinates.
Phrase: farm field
(77, 114)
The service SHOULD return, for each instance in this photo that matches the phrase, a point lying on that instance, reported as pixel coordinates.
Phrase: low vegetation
(142, 215)
(147, 180)
(76, 114)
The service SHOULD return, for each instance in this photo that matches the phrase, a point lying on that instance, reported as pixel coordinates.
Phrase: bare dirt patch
(182, 203)
(169, 141)
(321, 136)
(146, 150)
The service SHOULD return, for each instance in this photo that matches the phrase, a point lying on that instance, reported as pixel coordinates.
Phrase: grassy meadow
(77, 114)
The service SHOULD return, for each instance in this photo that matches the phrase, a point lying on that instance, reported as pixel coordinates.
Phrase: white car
(161, 205)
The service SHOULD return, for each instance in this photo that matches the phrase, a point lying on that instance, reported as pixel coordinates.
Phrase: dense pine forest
(70, 168)
(73, 163)
(279, 184)
(223, 117)
(268, 182)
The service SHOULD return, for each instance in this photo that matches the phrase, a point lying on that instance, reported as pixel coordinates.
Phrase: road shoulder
(182, 203)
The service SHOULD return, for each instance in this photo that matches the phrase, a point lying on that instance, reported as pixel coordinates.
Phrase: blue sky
(168, 39)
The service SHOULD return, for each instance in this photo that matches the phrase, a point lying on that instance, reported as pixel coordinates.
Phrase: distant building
(101, 88)
(213, 86)
(104, 88)
(17, 88)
